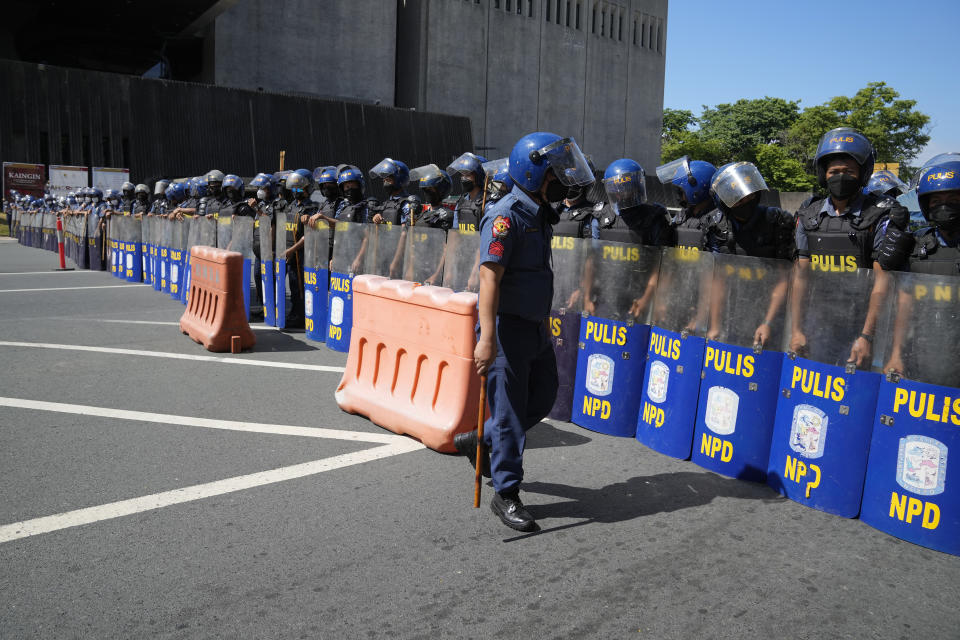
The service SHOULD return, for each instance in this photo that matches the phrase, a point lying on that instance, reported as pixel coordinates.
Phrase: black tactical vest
(469, 212)
(438, 217)
(391, 209)
(691, 230)
(575, 221)
(354, 212)
(655, 231)
(841, 241)
(929, 257)
(767, 234)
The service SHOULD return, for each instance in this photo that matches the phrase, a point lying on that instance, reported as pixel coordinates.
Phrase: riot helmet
(215, 179)
(160, 187)
(232, 186)
(299, 185)
(939, 196)
(142, 193)
(737, 188)
(434, 183)
(885, 183)
(536, 153)
(469, 168)
(127, 189)
(112, 196)
(351, 183)
(844, 141)
(96, 195)
(394, 173)
(625, 184)
(690, 180)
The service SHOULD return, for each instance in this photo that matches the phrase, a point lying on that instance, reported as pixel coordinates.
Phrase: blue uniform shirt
(514, 234)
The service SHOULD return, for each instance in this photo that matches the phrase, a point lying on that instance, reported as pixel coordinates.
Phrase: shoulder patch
(500, 227)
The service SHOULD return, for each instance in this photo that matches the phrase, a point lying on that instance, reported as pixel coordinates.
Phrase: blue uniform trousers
(521, 389)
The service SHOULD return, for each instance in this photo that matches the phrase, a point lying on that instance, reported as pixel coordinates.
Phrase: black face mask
(142, 198)
(330, 192)
(432, 197)
(391, 187)
(743, 212)
(354, 195)
(574, 193)
(945, 216)
(556, 191)
(842, 187)
(468, 185)
(234, 195)
(214, 189)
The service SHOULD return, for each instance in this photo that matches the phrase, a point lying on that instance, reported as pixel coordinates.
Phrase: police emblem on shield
(922, 465)
(308, 303)
(336, 311)
(808, 432)
(657, 384)
(174, 273)
(722, 407)
(599, 374)
(129, 261)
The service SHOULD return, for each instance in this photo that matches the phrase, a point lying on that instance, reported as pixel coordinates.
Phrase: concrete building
(592, 69)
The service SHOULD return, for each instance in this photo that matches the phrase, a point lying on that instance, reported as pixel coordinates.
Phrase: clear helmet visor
(426, 173)
(468, 163)
(736, 181)
(883, 181)
(568, 162)
(626, 190)
(493, 167)
(387, 167)
(675, 170)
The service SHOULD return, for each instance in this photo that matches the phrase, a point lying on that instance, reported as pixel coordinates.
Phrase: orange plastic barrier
(410, 365)
(215, 316)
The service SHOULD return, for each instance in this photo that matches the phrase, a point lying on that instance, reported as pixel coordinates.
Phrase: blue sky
(813, 50)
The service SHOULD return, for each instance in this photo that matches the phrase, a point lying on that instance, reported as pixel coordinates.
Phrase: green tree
(780, 170)
(741, 126)
(896, 129)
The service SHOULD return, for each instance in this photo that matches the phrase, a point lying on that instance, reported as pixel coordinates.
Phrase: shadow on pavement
(637, 497)
(278, 341)
(545, 435)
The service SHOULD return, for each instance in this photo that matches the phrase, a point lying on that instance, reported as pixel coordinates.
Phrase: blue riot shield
(821, 434)
(115, 246)
(166, 237)
(145, 248)
(349, 248)
(156, 234)
(461, 259)
(741, 366)
(912, 488)
(177, 242)
(668, 409)
(95, 242)
(267, 281)
(316, 248)
(423, 254)
(569, 255)
(618, 285)
(285, 222)
(201, 232)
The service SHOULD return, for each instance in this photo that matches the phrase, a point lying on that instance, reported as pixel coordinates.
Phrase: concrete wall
(344, 49)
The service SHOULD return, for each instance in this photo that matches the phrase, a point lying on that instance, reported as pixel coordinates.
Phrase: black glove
(895, 248)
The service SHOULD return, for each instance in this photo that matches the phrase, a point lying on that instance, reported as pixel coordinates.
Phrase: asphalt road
(162, 496)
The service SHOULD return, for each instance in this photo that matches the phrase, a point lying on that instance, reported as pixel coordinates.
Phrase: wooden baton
(479, 470)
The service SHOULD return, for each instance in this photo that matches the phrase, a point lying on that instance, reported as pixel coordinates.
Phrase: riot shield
(177, 242)
(224, 231)
(267, 280)
(316, 247)
(423, 255)
(284, 239)
(166, 239)
(201, 232)
(569, 255)
(114, 233)
(94, 242)
(145, 248)
(739, 378)
(241, 241)
(672, 378)
(911, 491)
(157, 239)
(826, 407)
(619, 281)
(349, 247)
(384, 251)
(50, 231)
(461, 258)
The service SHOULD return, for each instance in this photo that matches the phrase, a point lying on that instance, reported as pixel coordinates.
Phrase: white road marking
(207, 423)
(45, 273)
(175, 356)
(390, 445)
(105, 286)
(112, 510)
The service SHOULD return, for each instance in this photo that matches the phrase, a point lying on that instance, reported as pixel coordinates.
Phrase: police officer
(627, 216)
(128, 197)
(113, 203)
(330, 190)
(934, 249)
(516, 288)
(843, 230)
(159, 205)
(232, 189)
(468, 210)
(500, 183)
(428, 210)
(141, 202)
(886, 183)
(577, 210)
(193, 191)
(301, 208)
(690, 182)
(353, 207)
(396, 208)
(215, 195)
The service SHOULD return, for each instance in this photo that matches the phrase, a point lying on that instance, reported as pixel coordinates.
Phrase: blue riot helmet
(625, 184)
(232, 186)
(175, 193)
(264, 181)
(499, 182)
(198, 188)
(941, 179)
(691, 179)
(96, 195)
(535, 153)
(848, 142)
(469, 167)
(434, 183)
(112, 196)
(390, 168)
(349, 173)
(885, 183)
(940, 158)
(71, 202)
(311, 183)
(328, 176)
(735, 182)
